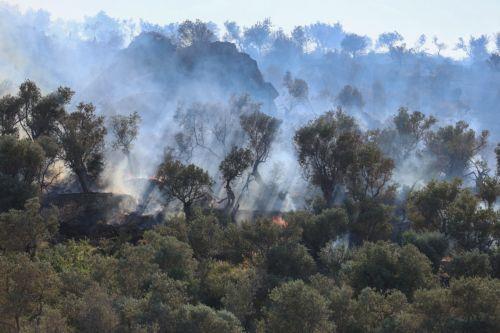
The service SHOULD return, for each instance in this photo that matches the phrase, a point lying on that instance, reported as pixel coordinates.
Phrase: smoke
(125, 66)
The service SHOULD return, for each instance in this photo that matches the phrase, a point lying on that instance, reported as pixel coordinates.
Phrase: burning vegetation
(195, 196)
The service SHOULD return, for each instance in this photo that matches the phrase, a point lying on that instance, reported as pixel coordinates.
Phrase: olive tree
(81, 136)
(454, 147)
(25, 230)
(232, 167)
(187, 183)
(326, 148)
(21, 162)
(9, 110)
(125, 129)
(296, 307)
(38, 115)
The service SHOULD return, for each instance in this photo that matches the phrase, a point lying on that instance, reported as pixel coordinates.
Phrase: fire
(280, 221)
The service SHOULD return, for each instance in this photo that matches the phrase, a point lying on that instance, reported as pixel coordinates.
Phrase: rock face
(153, 69)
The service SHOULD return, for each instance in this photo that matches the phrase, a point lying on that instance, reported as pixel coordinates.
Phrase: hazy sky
(449, 19)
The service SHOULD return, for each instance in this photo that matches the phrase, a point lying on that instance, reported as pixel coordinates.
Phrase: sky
(448, 19)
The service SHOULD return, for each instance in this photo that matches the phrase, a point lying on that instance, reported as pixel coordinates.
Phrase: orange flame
(280, 221)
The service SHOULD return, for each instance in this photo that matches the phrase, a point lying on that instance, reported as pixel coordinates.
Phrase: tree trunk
(83, 180)
(188, 211)
(130, 164)
(328, 195)
(256, 174)
(230, 197)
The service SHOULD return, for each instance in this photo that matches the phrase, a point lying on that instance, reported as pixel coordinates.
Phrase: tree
(427, 207)
(96, 312)
(471, 226)
(187, 183)
(172, 256)
(419, 46)
(233, 32)
(125, 129)
(9, 110)
(326, 37)
(497, 154)
(38, 115)
(326, 148)
(369, 176)
(233, 286)
(407, 134)
(25, 288)
(350, 97)
(282, 45)
(210, 126)
(333, 258)
(240, 294)
(261, 131)
(475, 304)
(81, 136)
(433, 244)
(136, 268)
(456, 212)
(297, 88)
(104, 30)
(340, 301)
(389, 39)
(290, 260)
(26, 230)
(21, 163)
(205, 236)
(49, 171)
(386, 266)
(320, 229)
(370, 194)
(469, 264)
(164, 300)
(476, 48)
(257, 35)
(192, 33)
(299, 37)
(296, 307)
(369, 220)
(203, 319)
(454, 147)
(433, 308)
(440, 46)
(488, 189)
(354, 44)
(374, 311)
(232, 167)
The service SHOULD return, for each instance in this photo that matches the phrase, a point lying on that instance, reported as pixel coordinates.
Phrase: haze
(450, 19)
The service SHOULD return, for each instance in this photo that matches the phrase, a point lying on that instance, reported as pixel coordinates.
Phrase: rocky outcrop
(152, 68)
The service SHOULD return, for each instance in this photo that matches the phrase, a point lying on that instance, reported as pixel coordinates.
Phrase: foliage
(81, 137)
(433, 244)
(469, 264)
(315, 270)
(187, 183)
(384, 266)
(192, 33)
(325, 149)
(454, 147)
(296, 307)
(21, 162)
(125, 129)
(26, 287)
(27, 230)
